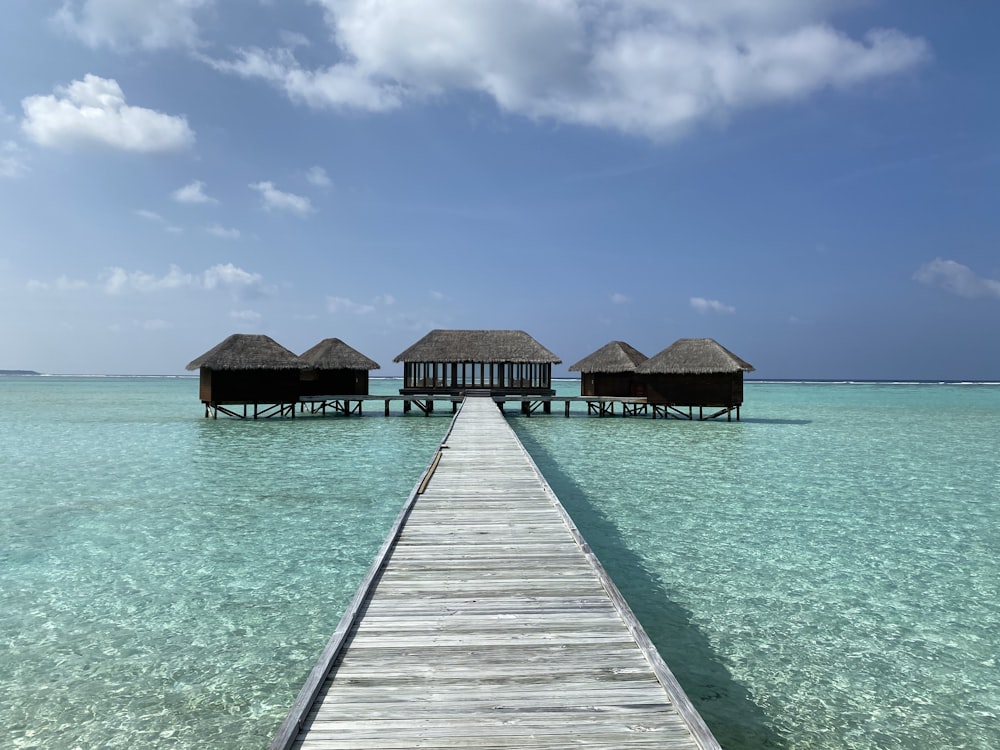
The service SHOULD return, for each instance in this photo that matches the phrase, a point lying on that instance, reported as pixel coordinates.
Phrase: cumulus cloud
(93, 112)
(339, 86)
(277, 200)
(620, 299)
(149, 215)
(706, 306)
(126, 24)
(117, 280)
(957, 279)
(228, 276)
(223, 233)
(317, 176)
(641, 67)
(12, 164)
(344, 305)
(193, 192)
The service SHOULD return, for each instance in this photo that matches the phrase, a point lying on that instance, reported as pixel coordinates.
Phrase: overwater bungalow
(248, 369)
(334, 368)
(450, 362)
(610, 371)
(694, 373)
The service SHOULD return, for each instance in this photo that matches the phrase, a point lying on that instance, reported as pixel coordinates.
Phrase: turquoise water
(819, 575)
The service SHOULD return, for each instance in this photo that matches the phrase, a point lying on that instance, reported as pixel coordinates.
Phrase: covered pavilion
(503, 362)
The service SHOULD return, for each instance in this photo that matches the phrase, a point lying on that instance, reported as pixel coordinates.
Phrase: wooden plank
(486, 621)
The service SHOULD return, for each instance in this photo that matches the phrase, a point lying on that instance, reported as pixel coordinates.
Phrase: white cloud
(438, 296)
(223, 233)
(193, 192)
(232, 277)
(117, 280)
(292, 39)
(61, 284)
(11, 163)
(957, 279)
(384, 299)
(93, 112)
(317, 176)
(620, 299)
(125, 24)
(276, 200)
(706, 306)
(248, 316)
(413, 322)
(344, 305)
(339, 86)
(642, 67)
(157, 218)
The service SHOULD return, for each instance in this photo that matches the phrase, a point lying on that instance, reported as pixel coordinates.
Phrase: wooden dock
(601, 406)
(487, 622)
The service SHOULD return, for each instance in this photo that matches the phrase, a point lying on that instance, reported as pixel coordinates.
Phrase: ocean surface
(822, 574)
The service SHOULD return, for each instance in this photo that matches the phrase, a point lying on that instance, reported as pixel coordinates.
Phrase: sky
(812, 183)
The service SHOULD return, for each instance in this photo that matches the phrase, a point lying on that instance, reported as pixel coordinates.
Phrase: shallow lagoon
(819, 575)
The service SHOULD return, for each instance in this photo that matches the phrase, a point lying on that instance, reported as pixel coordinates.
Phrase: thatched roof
(694, 357)
(334, 354)
(613, 357)
(245, 351)
(442, 345)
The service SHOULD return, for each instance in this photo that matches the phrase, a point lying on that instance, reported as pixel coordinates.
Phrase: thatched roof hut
(248, 369)
(694, 372)
(246, 351)
(334, 368)
(450, 361)
(609, 371)
(334, 354)
(694, 357)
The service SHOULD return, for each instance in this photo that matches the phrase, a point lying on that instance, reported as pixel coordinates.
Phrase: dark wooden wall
(334, 383)
(611, 384)
(723, 389)
(249, 386)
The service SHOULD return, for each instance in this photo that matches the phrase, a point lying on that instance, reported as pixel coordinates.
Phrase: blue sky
(813, 183)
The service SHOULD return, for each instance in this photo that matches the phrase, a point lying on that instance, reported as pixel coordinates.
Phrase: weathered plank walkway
(487, 622)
